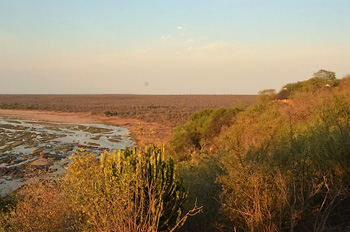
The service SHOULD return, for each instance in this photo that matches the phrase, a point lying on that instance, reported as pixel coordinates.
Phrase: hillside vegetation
(125, 191)
(276, 166)
(273, 166)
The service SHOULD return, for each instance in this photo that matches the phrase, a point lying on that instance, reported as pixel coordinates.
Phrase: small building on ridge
(283, 95)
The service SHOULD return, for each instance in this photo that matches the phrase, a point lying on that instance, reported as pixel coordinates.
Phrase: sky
(169, 46)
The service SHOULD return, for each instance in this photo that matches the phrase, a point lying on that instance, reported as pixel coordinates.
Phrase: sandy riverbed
(144, 133)
(12, 177)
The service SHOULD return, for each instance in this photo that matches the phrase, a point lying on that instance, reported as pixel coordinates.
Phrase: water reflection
(46, 145)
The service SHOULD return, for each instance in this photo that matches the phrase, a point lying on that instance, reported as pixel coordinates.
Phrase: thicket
(16, 106)
(278, 166)
(124, 191)
(197, 134)
(290, 173)
(319, 80)
(110, 114)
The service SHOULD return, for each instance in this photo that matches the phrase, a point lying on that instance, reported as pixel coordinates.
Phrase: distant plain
(150, 118)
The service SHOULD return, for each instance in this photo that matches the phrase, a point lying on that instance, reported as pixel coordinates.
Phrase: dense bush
(198, 133)
(201, 183)
(16, 106)
(140, 190)
(319, 80)
(110, 114)
(286, 167)
(278, 167)
(124, 191)
(41, 206)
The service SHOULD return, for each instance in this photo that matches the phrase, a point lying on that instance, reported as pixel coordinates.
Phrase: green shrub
(198, 133)
(41, 206)
(126, 191)
(319, 80)
(283, 172)
(122, 191)
(16, 106)
(110, 114)
(202, 187)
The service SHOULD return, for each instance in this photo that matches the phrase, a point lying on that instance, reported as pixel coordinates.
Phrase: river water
(45, 145)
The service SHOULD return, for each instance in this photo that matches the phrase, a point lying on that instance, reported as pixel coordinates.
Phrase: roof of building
(328, 87)
(283, 94)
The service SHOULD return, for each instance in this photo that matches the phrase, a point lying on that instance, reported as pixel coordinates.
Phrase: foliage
(198, 133)
(266, 94)
(139, 189)
(110, 114)
(287, 169)
(41, 207)
(278, 167)
(16, 106)
(324, 74)
(7, 201)
(319, 80)
(201, 183)
(122, 191)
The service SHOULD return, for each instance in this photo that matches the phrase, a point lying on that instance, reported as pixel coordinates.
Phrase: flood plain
(29, 147)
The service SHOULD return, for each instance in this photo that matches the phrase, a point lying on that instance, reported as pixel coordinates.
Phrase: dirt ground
(143, 132)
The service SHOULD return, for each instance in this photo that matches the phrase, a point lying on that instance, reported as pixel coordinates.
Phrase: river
(26, 144)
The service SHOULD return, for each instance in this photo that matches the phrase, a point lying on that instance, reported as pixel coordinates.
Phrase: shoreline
(144, 133)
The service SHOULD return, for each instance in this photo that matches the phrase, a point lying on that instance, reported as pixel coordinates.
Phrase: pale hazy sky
(169, 46)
